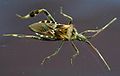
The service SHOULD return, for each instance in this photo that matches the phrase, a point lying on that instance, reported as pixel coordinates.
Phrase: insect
(50, 30)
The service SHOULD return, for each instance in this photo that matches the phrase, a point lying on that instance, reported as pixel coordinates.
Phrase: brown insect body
(60, 32)
(65, 32)
(52, 31)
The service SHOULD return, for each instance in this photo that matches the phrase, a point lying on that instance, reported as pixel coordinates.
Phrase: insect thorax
(65, 32)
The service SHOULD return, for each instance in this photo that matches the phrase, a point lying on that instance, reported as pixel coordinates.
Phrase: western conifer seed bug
(50, 30)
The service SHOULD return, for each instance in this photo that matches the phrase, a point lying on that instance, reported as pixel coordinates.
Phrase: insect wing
(43, 28)
(39, 27)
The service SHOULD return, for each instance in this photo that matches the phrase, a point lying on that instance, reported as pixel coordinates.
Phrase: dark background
(22, 57)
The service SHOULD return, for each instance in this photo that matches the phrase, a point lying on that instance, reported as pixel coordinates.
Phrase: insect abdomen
(42, 26)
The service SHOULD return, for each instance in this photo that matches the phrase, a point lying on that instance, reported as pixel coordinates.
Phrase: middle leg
(67, 16)
(77, 51)
(56, 52)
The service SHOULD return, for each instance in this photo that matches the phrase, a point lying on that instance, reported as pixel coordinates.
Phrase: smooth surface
(22, 57)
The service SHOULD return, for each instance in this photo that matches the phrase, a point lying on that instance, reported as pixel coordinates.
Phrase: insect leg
(69, 17)
(99, 54)
(36, 12)
(56, 52)
(99, 30)
(77, 51)
(21, 36)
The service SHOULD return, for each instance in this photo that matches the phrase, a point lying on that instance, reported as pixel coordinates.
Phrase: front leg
(99, 30)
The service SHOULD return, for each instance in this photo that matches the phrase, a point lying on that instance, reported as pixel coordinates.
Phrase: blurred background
(22, 57)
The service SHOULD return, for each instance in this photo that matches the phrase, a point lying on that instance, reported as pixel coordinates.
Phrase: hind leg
(21, 36)
(36, 12)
